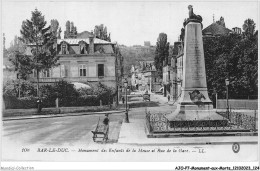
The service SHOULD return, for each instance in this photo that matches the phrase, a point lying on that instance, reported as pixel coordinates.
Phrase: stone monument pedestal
(194, 103)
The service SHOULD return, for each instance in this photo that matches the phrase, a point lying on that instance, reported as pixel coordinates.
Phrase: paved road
(73, 132)
(70, 129)
(55, 131)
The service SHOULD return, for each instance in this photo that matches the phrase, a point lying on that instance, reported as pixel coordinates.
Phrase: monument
(194, 103)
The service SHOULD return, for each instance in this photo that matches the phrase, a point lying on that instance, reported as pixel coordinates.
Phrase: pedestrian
(106, 125)
(123, 100)
(169, 97)
(39, 105)
(106, 120)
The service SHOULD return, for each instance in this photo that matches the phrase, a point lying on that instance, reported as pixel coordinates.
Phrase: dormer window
(64, 48)
(82, 47)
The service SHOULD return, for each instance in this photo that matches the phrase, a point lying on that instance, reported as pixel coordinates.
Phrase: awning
(78, 85)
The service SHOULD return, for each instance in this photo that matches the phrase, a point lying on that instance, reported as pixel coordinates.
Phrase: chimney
(91, 43)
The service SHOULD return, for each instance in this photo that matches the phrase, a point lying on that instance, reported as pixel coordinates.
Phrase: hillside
(134, 54)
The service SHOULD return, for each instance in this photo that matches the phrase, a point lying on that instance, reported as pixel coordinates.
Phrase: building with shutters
(83, 60)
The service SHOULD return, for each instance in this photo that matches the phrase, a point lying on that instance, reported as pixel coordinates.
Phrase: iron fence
(231, 122)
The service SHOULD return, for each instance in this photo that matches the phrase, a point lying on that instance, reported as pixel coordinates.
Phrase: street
(71, 136)
(69, 129)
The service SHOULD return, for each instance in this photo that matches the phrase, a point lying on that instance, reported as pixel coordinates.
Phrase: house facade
(83, 60)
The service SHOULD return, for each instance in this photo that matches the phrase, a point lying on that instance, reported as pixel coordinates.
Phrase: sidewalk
(162, 99)
(134, 133)
(60, 115)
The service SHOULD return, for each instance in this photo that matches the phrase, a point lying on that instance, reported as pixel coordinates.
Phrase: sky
(129, 22)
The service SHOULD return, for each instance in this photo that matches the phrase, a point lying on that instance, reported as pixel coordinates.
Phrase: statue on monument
(192, 17)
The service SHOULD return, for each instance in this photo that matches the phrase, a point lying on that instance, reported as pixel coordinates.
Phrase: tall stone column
(194, 103)
(194, 86)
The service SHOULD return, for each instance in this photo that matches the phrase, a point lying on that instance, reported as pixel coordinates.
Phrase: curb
(192, 143)
(60, 115)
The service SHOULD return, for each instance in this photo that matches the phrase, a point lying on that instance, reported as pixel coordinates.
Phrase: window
(82, 70)
(100, 70)
(82, 47)
(64, 70)
(63, 49)
(46, 73)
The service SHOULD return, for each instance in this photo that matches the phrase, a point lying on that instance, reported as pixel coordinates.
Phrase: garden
(22, 94)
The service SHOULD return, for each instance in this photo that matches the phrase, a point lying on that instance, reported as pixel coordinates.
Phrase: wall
(238, 104)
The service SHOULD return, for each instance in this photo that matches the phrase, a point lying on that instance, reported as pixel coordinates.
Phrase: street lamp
(227, 83)
(126, 112)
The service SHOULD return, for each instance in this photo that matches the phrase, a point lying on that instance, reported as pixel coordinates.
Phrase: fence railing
(231, 122)
(241, 120)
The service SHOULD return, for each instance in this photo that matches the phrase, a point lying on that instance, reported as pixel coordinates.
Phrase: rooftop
(76, 41)
(216, 29)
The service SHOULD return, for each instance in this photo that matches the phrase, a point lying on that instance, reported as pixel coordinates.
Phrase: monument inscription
(195, 59)
(195, 72)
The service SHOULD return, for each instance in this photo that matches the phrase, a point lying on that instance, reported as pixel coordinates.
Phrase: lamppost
(227, 83)
(126, 111)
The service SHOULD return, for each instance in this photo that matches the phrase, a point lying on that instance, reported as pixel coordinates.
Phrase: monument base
(182, 117)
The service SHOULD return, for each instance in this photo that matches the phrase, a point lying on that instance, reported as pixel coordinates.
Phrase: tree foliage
(55, 29)
(249, 27)
(41, 40)
(12, 88)
(20, 62)
(71, 30)
(161, 52)
(100, 32)
(235, 57)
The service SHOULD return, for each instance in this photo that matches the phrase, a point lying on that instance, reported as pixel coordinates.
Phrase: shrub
(12, 102)
(27, 89)
(67, 94)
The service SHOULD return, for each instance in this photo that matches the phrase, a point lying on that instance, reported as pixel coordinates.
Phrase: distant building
(170, 81)
(147, 43)
(237, 30)
(146, 48)
(145, 77)
(216, 29)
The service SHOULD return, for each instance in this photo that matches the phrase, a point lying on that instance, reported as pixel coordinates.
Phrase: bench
(101, 132)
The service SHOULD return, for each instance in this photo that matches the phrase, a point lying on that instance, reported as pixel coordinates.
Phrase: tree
(235, 57)
(67, 32)
(21, 62)
(249, 27)
(55, 29)
(71, 30)
(161, 52)
(101, 32)
(42, 42)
